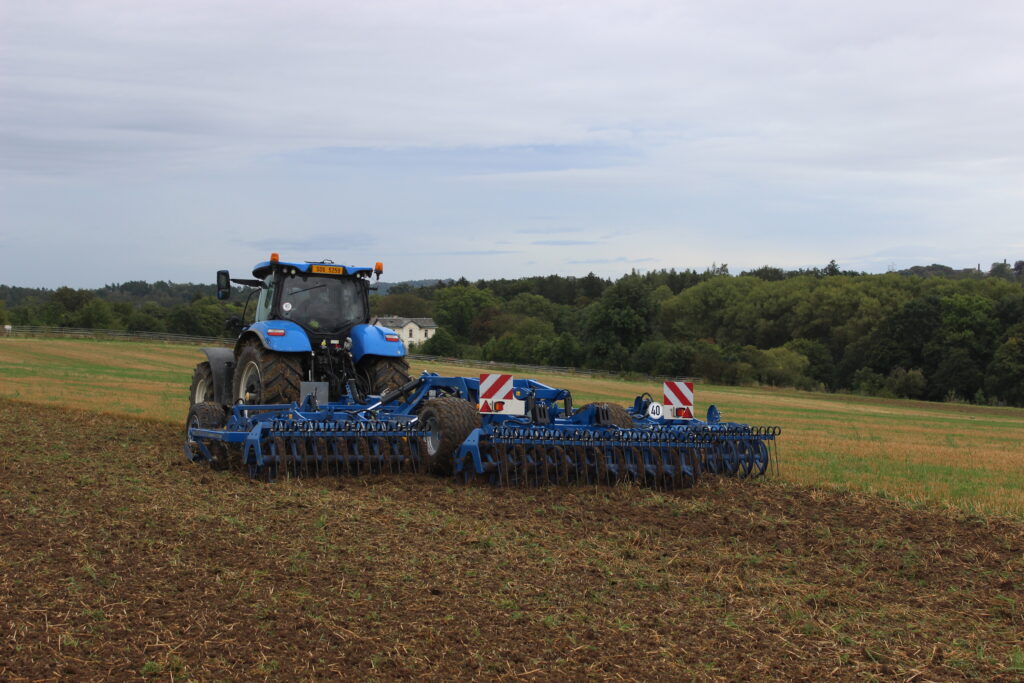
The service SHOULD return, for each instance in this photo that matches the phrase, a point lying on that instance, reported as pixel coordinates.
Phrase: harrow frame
(551, 443)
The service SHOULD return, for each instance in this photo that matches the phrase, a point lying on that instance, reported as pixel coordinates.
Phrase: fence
(85, 333)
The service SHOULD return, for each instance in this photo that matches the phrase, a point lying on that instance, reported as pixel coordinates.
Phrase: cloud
(736, 131)
(321, 242)
(479, 252)
(606, 261)
(563, 243)
(471, 160)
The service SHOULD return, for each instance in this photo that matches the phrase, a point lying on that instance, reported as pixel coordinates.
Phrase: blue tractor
(311, 324)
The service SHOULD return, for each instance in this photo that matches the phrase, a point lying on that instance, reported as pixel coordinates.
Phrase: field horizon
(951, 455)
(119, 559)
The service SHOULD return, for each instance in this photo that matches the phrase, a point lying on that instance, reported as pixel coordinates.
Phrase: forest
(929, 332)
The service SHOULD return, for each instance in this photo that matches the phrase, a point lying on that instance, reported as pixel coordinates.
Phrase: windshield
(322, 304)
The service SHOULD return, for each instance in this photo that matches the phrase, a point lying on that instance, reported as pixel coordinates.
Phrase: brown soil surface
(118, 559)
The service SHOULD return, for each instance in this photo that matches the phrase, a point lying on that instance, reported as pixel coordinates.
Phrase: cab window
(266, 301)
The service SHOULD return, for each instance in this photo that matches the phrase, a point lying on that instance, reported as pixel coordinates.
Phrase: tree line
(929, 332)
(133, 306)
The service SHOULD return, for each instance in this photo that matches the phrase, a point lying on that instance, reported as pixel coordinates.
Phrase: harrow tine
(544, 475)
(503, 466)
(579, 464)
(575, 460)
(600, 458)
(670, 466)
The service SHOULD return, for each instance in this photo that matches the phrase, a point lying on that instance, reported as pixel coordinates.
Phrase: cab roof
(263, 268)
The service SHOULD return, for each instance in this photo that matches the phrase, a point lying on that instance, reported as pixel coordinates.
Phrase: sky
(163, 140)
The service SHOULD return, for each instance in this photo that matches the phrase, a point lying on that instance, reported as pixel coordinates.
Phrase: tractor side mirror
(223, 285)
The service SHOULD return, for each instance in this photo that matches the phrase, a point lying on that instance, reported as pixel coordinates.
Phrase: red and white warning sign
(678, 399)
(497, 396)
(494, 386)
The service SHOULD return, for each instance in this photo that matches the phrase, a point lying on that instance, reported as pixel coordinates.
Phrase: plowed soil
(118, 559)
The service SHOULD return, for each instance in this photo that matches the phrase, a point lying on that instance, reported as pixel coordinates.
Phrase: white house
(412, 330)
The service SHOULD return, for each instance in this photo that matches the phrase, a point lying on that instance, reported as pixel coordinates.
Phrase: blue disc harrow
(545, 443)
(658, 456)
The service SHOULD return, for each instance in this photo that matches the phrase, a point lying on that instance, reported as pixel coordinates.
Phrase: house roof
(398, 321)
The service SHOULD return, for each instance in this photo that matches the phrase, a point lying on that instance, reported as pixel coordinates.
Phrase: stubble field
(118, 559)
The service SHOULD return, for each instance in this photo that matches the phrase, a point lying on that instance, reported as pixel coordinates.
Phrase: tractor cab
(324, 298)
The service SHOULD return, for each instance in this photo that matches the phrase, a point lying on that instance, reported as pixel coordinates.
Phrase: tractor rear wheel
(263, 376)
(382, 374)
(210, 415)
(620, 416)
(449, 421)
(202, 384)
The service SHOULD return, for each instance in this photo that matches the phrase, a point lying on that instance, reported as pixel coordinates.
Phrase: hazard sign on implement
(678, 400)
(495, 386)
(497, 396)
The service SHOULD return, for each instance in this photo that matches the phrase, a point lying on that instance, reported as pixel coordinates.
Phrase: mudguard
(222, 363)
(282, 336)
(371, 340)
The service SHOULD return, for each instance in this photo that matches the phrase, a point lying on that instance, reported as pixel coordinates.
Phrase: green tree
(456, 307)
(407, 305)
(619, 321)
(1004, 379)
(782, 366)
(822, 367)
(143, 321)
(442, 343)
(906, 383)
(957, 375)
(97, 314)
(71, 300)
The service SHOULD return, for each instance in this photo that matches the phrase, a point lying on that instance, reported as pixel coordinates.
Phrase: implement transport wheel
(449, 421)
(209, 415)
(202, 384)
(619, 415)
(263, 376)
(382, 374)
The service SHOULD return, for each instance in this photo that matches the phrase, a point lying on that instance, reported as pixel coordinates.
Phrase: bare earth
(119, 559)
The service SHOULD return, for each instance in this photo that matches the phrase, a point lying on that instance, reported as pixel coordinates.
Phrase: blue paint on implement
(550, 444)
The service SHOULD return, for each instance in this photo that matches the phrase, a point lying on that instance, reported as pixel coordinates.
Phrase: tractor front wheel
(263, 376)
(448, 422)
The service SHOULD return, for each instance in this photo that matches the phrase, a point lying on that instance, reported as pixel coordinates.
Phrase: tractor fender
(282, 336)
(371, 340)
(222, 364)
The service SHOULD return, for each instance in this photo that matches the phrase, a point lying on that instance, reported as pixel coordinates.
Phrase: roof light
(378, 268)
(392, 337)
(274, 257)
(275, 333)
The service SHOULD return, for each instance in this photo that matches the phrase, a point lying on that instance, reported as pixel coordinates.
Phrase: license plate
(329, 270)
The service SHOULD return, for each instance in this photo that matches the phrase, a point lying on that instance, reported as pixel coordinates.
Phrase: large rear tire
(263, 376)
(201, 389)
(381, 374)
(449, 421)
